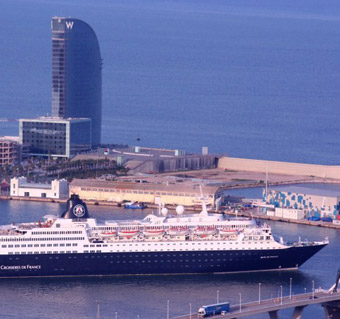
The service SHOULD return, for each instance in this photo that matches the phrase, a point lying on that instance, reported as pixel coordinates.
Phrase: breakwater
(276, 167)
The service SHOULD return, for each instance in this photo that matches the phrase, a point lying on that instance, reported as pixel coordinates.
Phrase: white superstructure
(75, 244)
(194, 232)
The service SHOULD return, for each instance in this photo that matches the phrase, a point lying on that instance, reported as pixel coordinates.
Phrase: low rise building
(171, 194)
(289, 213)
(56, 137)
(58, 189)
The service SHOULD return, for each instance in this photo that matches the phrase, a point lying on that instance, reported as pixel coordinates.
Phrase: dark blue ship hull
(133, 263)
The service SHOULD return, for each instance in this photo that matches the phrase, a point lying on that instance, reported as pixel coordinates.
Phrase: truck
(212, 310)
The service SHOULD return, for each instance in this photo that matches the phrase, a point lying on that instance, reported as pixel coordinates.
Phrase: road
(273, 305)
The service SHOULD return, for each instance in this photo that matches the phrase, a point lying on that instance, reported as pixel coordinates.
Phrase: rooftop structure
(76, 73)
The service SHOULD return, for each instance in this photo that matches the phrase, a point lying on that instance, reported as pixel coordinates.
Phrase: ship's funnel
(75, 208)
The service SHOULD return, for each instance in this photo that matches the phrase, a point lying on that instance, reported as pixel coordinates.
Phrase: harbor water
(147, 296)
(250, 79)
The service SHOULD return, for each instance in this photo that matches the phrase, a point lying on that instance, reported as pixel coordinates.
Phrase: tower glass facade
(76, 73)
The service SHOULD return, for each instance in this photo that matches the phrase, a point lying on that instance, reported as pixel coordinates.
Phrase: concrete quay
(90, 202)
(32, 199)
(254, 214)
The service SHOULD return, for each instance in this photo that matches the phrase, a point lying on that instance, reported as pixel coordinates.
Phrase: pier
(328, 299)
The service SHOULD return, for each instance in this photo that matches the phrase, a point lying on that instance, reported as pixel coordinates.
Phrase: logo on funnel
(79, 210)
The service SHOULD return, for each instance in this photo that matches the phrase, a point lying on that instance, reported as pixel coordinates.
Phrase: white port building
(58, 189)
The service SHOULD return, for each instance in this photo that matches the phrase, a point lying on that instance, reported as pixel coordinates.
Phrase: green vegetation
(85, 169)
(41, 170)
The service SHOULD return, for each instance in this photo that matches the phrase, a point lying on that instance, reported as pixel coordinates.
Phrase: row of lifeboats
(153, 232)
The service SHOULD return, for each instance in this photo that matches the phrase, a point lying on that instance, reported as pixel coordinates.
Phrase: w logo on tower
(69, 24)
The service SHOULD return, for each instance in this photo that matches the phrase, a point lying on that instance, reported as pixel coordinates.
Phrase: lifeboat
(227, 231)
(128, 233)
(110, 233)
(204, 231)
(174, 231)
(153, 232)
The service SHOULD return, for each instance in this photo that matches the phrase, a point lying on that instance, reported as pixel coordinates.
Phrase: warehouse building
(172, 194)
(319, 203)
(58, 189)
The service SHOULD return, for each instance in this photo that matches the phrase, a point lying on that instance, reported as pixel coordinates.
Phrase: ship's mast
(204, 211)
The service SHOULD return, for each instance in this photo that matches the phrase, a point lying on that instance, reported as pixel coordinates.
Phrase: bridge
(329, 299)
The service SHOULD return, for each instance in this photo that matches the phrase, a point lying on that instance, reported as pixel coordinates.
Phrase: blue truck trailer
(212, 310)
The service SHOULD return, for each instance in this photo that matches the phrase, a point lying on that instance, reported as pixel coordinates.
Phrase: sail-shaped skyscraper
(76, 73)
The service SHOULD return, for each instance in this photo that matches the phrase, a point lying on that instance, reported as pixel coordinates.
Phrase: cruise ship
(76, 245)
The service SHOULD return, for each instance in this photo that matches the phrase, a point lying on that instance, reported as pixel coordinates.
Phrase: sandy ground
(246, 178)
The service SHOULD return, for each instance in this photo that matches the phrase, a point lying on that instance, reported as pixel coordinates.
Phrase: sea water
(257, 79)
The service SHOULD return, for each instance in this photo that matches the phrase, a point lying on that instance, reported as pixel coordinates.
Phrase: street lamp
(190, 310)
(313, 289)
(281, 294)
(217, 296)
(259, 292)
(240, 301)
(290, 288)
(167, 309)
(98, 308)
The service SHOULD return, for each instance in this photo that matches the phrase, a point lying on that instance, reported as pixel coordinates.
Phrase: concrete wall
(286, 168)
